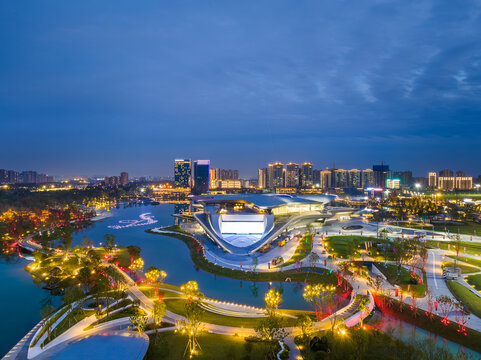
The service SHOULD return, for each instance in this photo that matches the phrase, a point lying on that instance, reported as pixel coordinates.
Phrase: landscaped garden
(466, 297)
(465, 269)
(403, 278)
(171, 345)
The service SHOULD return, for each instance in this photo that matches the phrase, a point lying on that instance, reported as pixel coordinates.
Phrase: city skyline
(97, 88)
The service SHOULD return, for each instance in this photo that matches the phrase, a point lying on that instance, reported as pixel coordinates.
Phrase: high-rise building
(276, 175)
(381, 174)
(201, 176)
(307, 179)
(354, 178)
(13, 177)
(446, 173)
(292, 175)
(464, 182)
(112, 181)
(3, 176)
(263, 178)
(316, 178)
(29, 177)
(124, 178)
(213, 180)
(182, 173)
(367, 178)
(340, 178)
(326, 179)
(405, 177)
(432, 179)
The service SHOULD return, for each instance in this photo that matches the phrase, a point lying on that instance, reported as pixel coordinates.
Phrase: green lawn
(303, 249)
(130, 311)
(171, 346)
(178, 306)
(70, 320)
(467, 260)
(403, 280)
(343, 246)
(471, 248)
(467, 229)
(474, 280)
(465, 269)
(465, 296)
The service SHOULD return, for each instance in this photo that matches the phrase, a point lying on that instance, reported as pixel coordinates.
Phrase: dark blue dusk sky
(97, 87)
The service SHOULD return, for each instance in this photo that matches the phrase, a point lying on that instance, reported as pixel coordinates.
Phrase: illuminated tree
(159, 312)
(363, 306)
(152, 274)
(320, 296)
(137, 265)
(273, 299)
(193, 314)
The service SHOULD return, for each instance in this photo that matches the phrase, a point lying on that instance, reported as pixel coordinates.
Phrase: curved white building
(245, 223)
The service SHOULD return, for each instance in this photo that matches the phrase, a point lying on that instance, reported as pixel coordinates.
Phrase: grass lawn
(149, 292)
(474, 280)
(343, 245)
(471, 248)
(403, 280)
(178, 306)
(467, 260)
(468, 228)
(303, 249)
(465, 269)
(130, 311)
(465, 296)
(171, 346)
(70, 320)
(200, 261)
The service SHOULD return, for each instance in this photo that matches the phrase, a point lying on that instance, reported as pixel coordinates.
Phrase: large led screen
(242, 227)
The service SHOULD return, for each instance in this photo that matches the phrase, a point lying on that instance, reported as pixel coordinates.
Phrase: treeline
(26, 199)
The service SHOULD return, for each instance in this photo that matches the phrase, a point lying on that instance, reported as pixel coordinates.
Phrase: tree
(363, 306)
(273, 299)
(109, 242)
(304, 323)
(271, 330)
(255, 262)
(445, 305)
(159, 311)
(87, 242)
(45, 312)
(139, 321)
(134, 252)
(193, 315)
(313, 258)
(66, 238)
(320, 296)
(71, 295)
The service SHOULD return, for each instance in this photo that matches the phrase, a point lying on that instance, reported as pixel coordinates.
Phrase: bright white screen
(242, 227)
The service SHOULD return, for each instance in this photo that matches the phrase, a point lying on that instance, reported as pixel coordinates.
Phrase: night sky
(98, 87)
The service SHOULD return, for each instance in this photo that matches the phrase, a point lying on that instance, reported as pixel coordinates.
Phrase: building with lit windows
(433, 180)
(201, 176)
(292, 175)
(182, 173)
(307, 175)
(246, 223)
(276, 175)
(263, 178)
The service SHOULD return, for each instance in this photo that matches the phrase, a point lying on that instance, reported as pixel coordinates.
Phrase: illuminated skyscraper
(182, 173)
(433, 180)
(307, 175)
(276, 175)
(292, 175)
(263, 178)
(201, 176)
